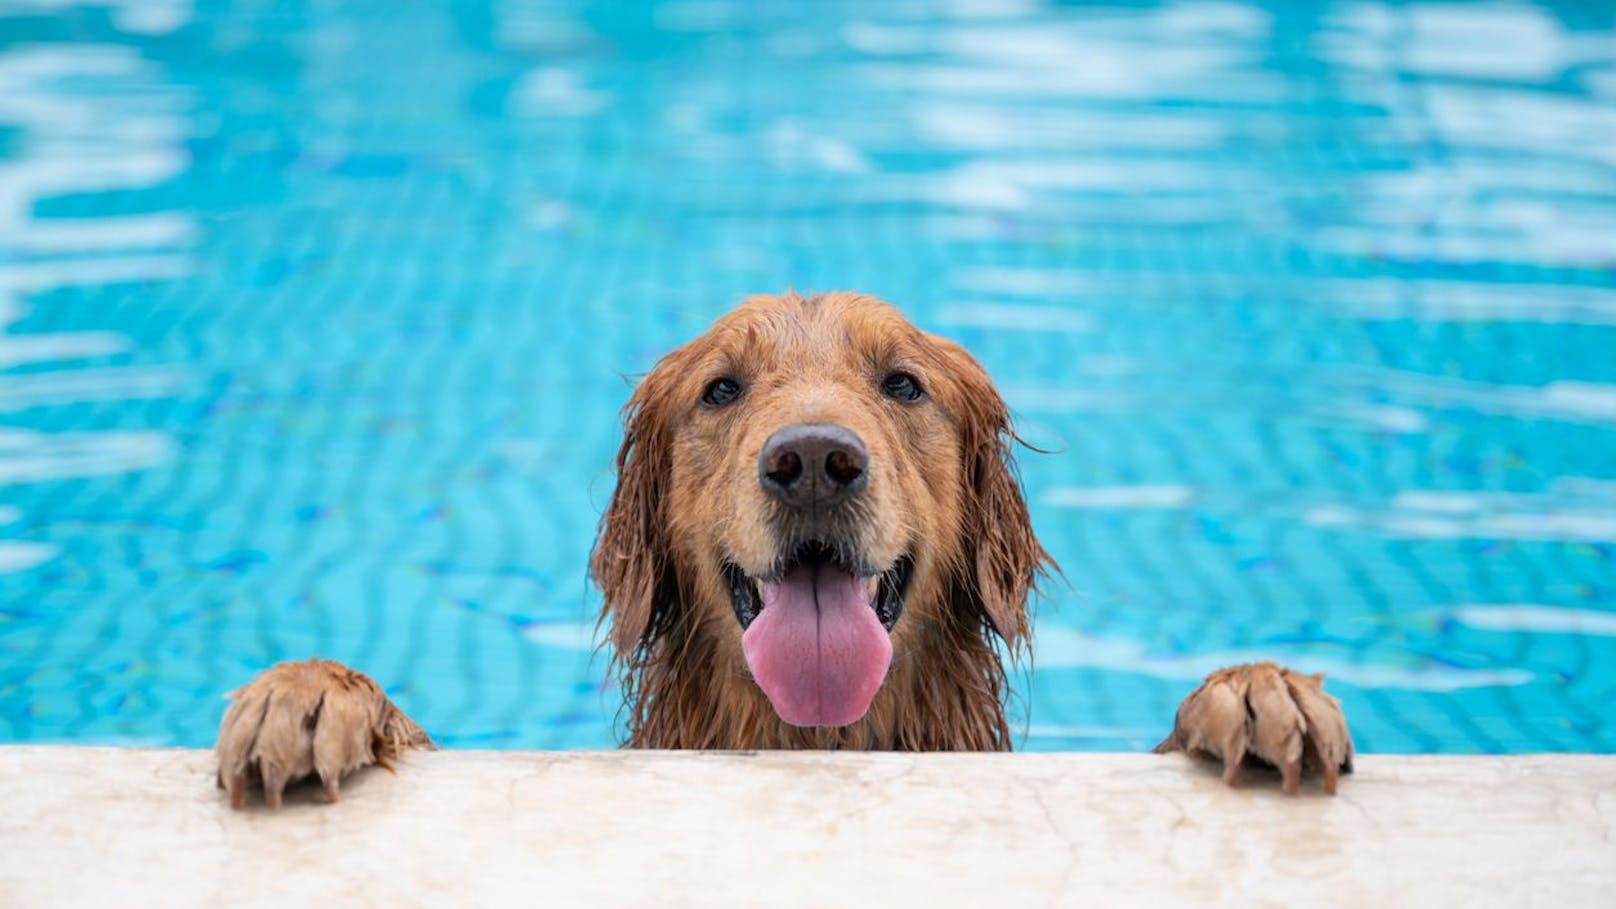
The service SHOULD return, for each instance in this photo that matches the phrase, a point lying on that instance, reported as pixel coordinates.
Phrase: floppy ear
(631, 562)
(1008, 560)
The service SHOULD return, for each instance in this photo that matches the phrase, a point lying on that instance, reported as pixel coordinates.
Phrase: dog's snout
(813, 465)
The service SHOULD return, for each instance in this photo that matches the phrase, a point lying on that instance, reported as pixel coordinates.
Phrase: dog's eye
(720, 392)
(901, 386)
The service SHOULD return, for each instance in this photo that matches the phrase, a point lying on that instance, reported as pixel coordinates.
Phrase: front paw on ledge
(1265, 712)
(315, 718)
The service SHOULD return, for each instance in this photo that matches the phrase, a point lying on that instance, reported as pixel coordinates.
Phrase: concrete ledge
(103, 826)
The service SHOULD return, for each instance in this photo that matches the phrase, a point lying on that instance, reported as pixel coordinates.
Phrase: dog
(817, 539)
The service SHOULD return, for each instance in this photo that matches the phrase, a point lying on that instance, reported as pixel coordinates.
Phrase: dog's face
(815, 482)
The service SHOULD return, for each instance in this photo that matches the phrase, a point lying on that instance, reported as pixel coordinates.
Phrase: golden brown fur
(943, 486)
(940, 492)
(315, 718)
(1263, 712)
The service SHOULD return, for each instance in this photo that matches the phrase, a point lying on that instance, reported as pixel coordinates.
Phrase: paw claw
(316, 718)
(274, 784)
(1268, 714)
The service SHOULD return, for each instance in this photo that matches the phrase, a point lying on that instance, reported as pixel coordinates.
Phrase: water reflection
(85, 121)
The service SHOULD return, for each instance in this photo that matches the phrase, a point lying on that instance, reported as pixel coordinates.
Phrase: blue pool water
(315, 318)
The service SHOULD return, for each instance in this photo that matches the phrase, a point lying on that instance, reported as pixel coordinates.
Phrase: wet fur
(943, 487)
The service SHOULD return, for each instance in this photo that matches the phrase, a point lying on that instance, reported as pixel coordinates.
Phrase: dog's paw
(298, 719)
(1268, 713)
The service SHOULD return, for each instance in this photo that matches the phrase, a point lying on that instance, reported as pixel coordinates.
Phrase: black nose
(812, 465)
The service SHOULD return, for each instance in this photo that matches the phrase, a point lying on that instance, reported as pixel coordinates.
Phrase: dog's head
(816, 484)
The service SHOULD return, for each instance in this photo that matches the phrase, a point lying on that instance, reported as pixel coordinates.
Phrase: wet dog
(817, 540)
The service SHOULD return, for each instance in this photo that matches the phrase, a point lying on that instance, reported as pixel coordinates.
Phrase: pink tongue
(817, 649)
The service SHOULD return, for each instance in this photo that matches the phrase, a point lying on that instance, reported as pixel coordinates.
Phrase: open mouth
(889, 587)
(817, 633)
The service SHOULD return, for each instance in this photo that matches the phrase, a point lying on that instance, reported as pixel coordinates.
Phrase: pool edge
(93, 825)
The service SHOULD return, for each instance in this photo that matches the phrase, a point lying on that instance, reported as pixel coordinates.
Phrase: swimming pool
(316, 319)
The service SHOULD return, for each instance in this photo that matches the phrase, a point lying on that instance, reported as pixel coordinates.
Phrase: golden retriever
(817, 540)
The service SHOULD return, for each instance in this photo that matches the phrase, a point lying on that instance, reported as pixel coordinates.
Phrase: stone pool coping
(136, 827)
